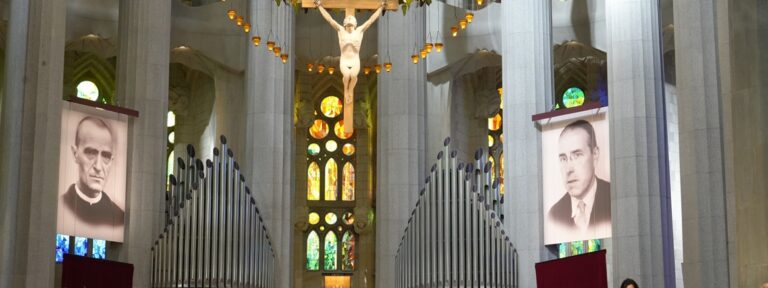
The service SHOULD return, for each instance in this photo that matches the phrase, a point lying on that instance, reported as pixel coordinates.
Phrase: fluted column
(401, 149)
(527, 76)
(702, 177)
(268, 162)
(142, 84)
(641, 215)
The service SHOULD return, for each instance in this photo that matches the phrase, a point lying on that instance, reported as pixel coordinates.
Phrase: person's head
(94, 143)
(765, 285)
(629, 283)
(350, 23)
(578, 154)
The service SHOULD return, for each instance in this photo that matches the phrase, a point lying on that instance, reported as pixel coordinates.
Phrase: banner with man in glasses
(92, 173)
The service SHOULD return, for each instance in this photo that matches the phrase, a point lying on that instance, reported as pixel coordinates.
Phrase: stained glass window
(348, 252)
(331, 218)
(314, 218)
(313, 149)
(348, 218)
(87, 90)
(81, 246)
(573, 97)
(494, 123)
(493, 166)
(348, 183)
(331, 106)
(338, 129)
(348, 149)
(313, 182)
(331, 146)
(330, 257)
(62, 247)
(171, 119)
(319, 129)
(313, 251)
(331, 183)
(99, 249)
(490, 141)
(501, 174)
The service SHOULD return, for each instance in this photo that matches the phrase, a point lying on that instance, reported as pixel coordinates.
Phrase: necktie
(581, 215)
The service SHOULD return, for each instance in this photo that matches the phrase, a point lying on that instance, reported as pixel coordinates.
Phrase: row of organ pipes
(454, 236)
(214, 234)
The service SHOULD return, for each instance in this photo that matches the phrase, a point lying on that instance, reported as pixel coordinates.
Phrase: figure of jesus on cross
(350, 40)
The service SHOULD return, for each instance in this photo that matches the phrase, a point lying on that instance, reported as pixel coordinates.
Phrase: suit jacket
(560, 213)
(104, 212)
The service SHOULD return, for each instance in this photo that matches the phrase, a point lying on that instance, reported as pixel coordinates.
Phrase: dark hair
(584, 125)
(627, 282)
(96, 121)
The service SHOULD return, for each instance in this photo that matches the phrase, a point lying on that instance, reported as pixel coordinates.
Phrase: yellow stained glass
(313, 182)
(331, 218)
(490, 141)
(331, 106)
(313, 149)
(339, 130)
(348, 183)
(493, 166)
(319, 129)
(348, 218)
(495, 122)
(314, 218)
(331, 146)
(501, 138)
(348, 149)
(331, 177)
(501, 173)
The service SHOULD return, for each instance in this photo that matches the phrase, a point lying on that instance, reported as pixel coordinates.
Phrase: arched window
(313, 182)
(331, 177)
(348, 252)
(313, 251)
(495, 144)
(331, 247)
(348, 183)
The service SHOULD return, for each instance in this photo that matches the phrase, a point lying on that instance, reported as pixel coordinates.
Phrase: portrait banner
(576, 177)
(92, 173)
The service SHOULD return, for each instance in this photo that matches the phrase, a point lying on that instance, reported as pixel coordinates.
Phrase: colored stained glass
(348, 252)
(493, 167)
(319, 129)
(331, 249)
(348, 218)
(490, 141)
(331, 106)
(87, 90)
(573, 97)
(338, 129)
(331, 146)
(313, 182)
(62, 247)
(494, 123)
(99, 249)
(577, 248)
(501, 174)
(314, 218)
(172, 137)
(313, 149)
(593, 245)
(331, 177)
(348, 183)
(562, 250)
(331, 218)
(81, 246)
(171, 119)
(348, 149)
(313, 251)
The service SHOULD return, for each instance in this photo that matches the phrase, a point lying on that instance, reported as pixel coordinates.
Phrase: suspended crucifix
(350, 40)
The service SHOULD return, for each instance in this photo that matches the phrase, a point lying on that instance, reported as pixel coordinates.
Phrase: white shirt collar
(91, 200)
(589, 200)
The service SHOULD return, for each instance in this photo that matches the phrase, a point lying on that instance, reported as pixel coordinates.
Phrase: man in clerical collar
(588, 201)
(93, 151)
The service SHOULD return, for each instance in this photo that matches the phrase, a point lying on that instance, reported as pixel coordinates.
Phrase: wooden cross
(349, 6)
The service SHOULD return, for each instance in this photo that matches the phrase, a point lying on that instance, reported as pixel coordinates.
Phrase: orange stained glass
(331, 180)
(319, 129)
(495, 122)
(348, 183)
(493, 167)
(313, 182)
(348, 149)
(331, 106)
(348, 218)
(339, 130)
(501, 173)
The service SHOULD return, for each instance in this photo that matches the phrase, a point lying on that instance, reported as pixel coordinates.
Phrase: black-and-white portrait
(92, 173)
(577, 188)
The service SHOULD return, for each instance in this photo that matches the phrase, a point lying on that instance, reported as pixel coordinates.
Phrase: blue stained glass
(62, 247)
(573, 97)
(577, 248)
(562, 250)
(81, 246)
(99, 249)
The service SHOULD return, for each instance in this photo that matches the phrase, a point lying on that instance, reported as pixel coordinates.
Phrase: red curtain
(79, 271)
(585, 270)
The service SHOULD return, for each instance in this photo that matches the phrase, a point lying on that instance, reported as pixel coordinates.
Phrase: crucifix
(350, 40)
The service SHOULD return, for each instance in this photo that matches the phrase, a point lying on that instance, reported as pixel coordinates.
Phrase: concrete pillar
(401, 145)
(642, 235)
(705, 262)
(527, 72)
(268, 160)
(142, 84)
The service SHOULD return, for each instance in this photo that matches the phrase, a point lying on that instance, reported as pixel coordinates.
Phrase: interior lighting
(423, 53)
(367, 70)
(388, 66)
(469, 16)
(429, 47)
(284, 57)
(331, 70)
(463, 24)
(415, 59)
(247, 27)
(270, 45)
(231, 14)
(377, 67)
(320, 68)
(239, 21)
(256, 40)
(439, 47)
(310, 66)
(454, 31)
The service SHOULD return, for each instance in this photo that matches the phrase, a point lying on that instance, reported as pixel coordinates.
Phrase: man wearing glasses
(93, 152)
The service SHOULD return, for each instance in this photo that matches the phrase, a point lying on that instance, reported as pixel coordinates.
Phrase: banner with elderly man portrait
(576, 177)
(92, 173)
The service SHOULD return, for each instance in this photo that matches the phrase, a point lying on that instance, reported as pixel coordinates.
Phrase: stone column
(702, 177)
(268, 162)
(34, 154)
(641, 216)
(527, 73)
(142, 84)
(401, 144)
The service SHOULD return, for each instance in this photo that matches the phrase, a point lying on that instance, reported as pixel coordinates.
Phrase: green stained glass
(348, 252)
(313, 149)
(593, 245)
(577, 248)
(573, 97)
(562, 250)
(331, 249)
(313, 251)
